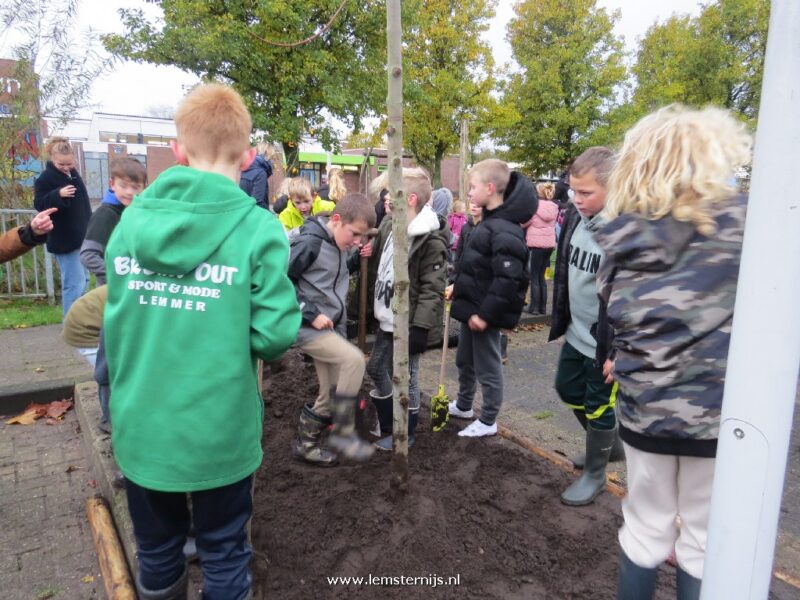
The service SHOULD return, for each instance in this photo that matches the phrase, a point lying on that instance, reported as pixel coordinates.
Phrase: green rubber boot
(593, 479)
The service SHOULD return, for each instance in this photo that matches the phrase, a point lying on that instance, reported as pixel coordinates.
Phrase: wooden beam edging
(556, 459)
(113, 566)
(614, 488)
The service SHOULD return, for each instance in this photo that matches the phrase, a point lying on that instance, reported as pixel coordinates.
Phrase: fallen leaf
(72, 468)
(88, 579)
(57, 408)
(39, 370)
(92, 483)
(31, 413)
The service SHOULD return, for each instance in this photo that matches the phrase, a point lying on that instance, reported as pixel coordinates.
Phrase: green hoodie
(197, 291)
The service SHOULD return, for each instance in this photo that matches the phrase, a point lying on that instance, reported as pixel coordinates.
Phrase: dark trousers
(539, 261)
(103, 380)
(478, 360)
(582, 387)
(161, 521)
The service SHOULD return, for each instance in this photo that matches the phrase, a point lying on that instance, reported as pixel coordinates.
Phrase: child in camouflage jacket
(672, 249)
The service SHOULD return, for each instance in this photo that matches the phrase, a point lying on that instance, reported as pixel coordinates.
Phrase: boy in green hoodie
(197, 292)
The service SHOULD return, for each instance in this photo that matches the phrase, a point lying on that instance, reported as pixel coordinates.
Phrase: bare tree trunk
(394, 133)
(462, 167)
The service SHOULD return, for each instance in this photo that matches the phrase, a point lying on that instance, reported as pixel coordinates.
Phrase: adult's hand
(41, 223)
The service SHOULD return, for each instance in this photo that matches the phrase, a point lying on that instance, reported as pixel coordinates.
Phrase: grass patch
(49, 591)
(25, 312)
(542, 415)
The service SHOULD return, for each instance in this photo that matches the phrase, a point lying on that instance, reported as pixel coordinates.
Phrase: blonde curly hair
(678, 161)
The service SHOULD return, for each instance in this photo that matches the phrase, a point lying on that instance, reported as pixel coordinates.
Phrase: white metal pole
(761, 378)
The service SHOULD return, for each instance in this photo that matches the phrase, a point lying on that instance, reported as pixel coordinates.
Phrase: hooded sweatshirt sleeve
(275, 314)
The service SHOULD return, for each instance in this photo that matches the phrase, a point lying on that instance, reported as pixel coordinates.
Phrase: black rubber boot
(635, 582)
(383, 406)
(307, 445)
(177, 591)
(688, 586)
(343, 437)
(386, 442)
(593, 479)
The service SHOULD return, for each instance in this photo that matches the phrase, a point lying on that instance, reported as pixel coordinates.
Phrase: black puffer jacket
(561, 315)
(493, 273)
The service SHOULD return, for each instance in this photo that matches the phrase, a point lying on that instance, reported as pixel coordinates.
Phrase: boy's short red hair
(213, 123)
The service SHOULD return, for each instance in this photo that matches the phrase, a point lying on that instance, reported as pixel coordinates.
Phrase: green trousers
(581, 386)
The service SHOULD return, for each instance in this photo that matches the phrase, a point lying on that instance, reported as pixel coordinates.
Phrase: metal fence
(30, 275)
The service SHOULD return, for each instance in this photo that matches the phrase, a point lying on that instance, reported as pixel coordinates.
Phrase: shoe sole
(585, 503)
(462, 416)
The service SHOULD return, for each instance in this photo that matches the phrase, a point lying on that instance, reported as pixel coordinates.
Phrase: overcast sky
(131, 88)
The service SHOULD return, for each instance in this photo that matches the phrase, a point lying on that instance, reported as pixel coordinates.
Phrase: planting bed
(481, 510)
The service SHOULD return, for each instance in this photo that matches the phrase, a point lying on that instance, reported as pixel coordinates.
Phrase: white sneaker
(478, 429)
(454, 411)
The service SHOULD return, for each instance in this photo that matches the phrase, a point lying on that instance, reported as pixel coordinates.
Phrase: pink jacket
(456, 222)
(540, 231)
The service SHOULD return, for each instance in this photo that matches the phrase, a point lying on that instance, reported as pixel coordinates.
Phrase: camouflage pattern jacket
(669, 292)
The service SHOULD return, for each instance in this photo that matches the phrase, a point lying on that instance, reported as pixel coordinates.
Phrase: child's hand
(41, 223)
(68, 191)
(608, 371)
(366, 250)
(322, 322)
(448, 292)
(477, 324)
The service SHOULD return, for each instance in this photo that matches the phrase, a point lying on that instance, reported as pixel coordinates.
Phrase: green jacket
(197, 291)
(293, 218)
(427, 274)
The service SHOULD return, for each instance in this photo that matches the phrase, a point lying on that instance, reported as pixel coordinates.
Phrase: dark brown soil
(483, 510)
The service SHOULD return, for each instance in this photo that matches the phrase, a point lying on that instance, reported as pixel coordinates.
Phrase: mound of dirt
(481, 511)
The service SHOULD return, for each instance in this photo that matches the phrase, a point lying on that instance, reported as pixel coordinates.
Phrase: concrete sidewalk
(37, 366)
(46, 547)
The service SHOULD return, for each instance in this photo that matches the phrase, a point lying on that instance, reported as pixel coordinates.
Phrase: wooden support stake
(116, 577)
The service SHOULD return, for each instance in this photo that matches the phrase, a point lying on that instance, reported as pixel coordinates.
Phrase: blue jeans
(161, 521)
(380, 367)
(74, 278)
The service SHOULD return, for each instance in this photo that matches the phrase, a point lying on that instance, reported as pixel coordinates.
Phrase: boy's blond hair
(678, 161)
(300, 187)
(57, 145)
(283, 189)
(415, 181)
(213, 124)
(336, 187)
(493, 170)
(546, 190)
(598, 159)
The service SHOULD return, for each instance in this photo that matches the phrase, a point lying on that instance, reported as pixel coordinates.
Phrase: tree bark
(464, 154)
(394, 133)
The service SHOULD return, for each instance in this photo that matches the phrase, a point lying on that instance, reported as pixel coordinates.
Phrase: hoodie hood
(427, 221)
(182, 218)
(111, 198)
(260, 163)
(520, 201)
(639, 244)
